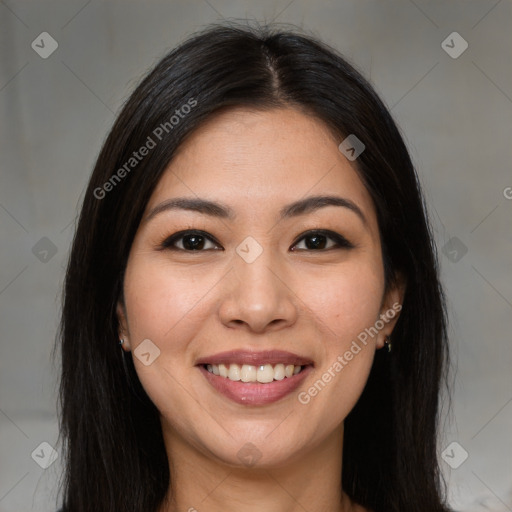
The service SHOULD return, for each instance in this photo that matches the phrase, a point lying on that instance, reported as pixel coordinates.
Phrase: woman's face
(249, 274)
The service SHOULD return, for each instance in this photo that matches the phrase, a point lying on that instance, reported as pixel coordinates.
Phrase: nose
(258, 296)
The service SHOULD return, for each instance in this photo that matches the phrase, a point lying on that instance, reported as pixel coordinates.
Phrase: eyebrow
(221, 211)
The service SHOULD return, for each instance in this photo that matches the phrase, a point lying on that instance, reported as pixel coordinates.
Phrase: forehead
(258, 159)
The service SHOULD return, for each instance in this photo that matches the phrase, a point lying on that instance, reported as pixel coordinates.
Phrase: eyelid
(170, 240)
(340, 240)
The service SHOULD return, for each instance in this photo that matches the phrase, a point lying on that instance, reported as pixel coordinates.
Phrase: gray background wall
(456, 115)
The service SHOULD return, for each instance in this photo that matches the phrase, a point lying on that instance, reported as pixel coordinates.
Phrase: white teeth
(265, 373)
(248, 373)
(223, 370)
(279, 372)
(234, 372)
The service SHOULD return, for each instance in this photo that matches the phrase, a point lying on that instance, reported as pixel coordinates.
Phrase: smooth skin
(305, 294)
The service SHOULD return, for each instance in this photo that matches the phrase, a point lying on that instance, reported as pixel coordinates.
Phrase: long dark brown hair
(115, 459)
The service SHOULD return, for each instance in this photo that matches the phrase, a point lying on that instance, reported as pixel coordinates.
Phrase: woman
(254, 237)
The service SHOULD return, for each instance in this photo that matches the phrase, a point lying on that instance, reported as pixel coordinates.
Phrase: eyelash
(340, 242)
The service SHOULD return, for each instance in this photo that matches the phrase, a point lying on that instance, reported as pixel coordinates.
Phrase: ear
(390, 309)
(123, 332)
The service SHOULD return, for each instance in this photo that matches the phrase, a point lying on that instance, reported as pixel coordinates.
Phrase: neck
(312, 482)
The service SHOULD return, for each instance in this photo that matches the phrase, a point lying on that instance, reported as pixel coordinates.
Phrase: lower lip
(255, 393)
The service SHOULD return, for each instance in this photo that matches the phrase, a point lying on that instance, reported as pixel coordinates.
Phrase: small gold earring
(387, 343)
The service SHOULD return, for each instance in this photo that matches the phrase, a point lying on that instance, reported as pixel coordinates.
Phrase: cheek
(161, 301)
(346, 301)
(169, 307)
(344, 304)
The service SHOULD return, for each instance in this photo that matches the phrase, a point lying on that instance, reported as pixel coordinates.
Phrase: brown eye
(190, 241)
(321, 240)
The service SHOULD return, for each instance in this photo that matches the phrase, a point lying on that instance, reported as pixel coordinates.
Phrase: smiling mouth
(263, 374)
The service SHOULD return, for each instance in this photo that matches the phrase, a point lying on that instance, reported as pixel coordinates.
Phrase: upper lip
(272, 357)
